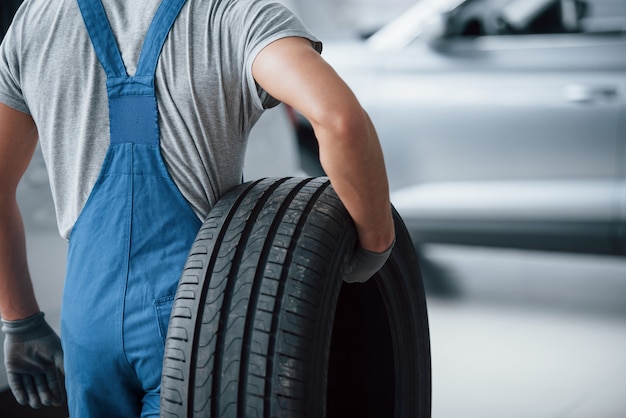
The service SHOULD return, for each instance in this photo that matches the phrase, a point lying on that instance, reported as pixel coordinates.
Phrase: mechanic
(142, 111)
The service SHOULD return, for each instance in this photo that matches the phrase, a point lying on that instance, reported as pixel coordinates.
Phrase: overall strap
(118, 81)
(132, 100)
(157, 33)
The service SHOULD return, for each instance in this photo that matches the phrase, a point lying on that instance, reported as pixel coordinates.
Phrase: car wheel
(262, 324)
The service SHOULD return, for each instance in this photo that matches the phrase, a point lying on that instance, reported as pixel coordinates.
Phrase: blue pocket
(163, 309)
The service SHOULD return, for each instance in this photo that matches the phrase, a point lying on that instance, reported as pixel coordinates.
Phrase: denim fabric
(127, 248)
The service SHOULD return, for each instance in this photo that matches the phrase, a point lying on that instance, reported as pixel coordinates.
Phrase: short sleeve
(10, 89)
(266, 22)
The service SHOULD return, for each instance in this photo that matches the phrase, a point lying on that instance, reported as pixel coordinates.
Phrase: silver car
(503, 122)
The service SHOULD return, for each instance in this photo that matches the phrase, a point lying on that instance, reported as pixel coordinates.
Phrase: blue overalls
(129, 244)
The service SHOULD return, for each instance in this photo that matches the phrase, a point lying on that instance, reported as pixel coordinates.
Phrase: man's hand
(34, 362)
(364, 264)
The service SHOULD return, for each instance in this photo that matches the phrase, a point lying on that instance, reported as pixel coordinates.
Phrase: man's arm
(33, 356)
(294, 73)
(18, 138)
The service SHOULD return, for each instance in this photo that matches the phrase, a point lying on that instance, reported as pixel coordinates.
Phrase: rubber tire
(263, 327)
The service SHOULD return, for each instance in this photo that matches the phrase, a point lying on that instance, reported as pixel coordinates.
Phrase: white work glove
(33, 358)
(364, 264)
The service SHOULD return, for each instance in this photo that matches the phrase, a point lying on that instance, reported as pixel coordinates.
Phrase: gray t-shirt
(208, 100)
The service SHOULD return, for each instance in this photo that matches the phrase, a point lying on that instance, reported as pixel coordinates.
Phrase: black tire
(262, 326)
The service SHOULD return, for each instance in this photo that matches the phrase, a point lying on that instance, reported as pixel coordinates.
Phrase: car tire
(262, 324)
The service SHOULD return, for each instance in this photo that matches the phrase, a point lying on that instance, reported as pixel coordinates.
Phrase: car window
(605, 16)
(530, 17)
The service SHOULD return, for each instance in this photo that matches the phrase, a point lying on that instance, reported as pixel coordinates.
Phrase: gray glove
(34, 361)
(364, 264)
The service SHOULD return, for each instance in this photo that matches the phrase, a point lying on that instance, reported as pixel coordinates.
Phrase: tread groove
(233, 267)
(223, 229)
(256, 293)
(279, 298)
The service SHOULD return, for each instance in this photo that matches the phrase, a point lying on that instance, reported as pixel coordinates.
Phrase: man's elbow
(351, 126)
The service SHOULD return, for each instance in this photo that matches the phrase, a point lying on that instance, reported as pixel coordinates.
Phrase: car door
(517, 131)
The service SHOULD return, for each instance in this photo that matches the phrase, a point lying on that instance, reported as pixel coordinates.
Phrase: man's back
(208, 100)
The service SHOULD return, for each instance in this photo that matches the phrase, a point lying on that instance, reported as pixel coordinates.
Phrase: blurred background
(503, 124)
